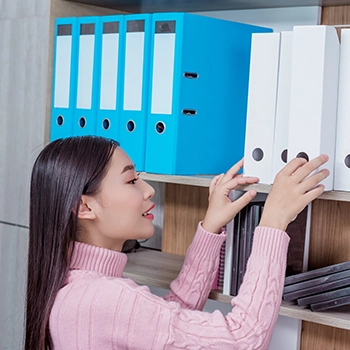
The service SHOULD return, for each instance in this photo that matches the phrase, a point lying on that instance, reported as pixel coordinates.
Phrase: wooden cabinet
(186, 197)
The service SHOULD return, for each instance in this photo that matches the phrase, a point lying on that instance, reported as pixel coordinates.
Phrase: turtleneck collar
(105, 261)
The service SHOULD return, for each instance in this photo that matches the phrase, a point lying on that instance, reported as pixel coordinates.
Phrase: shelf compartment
(157, 269)
(204, 181)
(204, 5)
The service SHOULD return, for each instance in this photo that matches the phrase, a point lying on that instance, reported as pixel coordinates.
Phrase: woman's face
(122, 206)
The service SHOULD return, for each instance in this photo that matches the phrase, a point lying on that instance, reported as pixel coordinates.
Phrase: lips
(148, 211)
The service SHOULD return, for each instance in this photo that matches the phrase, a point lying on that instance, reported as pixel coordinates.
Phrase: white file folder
(280, 146)
(313, 98)
(342, 157)
(261, 111)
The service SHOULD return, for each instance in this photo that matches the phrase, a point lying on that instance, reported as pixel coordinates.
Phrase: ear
(86, 211)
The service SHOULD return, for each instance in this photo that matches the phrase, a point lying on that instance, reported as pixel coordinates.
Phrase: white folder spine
(109, 71)
(134, 57)
(341, 167)
(314, 90)
(280, 147)
(163, 73)
(85, 71)
(62, 71)
(261, 110)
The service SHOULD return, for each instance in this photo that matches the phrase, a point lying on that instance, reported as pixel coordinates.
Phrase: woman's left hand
(221, 209)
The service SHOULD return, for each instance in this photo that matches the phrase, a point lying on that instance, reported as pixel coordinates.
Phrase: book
(323, 271)
(316, 281)
(341, 292)
(329, 304)
(344, 282)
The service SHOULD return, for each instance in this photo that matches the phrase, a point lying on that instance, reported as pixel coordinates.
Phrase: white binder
(314, 90)
(342, 157)
(261, 110)
(280, 146)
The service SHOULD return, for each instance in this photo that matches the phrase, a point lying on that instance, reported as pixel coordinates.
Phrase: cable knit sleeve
(255, 309)
(95, 311)
(192, 287)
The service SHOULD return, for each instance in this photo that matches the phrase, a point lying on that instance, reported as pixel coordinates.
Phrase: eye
(133, 181)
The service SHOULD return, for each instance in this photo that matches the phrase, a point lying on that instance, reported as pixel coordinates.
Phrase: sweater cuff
(270, 242)
(207, 243)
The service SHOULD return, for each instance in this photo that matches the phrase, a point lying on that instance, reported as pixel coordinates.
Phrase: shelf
(204, 181)
(157, 269)
(136, 6)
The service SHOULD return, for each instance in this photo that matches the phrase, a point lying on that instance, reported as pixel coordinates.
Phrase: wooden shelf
(204, 181)
(157, 269)
(203, 5)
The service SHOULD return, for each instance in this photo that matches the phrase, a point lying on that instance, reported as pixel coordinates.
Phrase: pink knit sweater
(98, 309)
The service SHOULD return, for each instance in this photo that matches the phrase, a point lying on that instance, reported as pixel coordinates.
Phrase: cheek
(127, 202)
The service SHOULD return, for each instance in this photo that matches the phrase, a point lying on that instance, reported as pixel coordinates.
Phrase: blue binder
(110, 83)
(133, 117)
(199, 85)
(88, 57)
(64, 78)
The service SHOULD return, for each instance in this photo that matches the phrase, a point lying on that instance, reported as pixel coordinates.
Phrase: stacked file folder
(170, 87)
(292, 100)
(320, 289)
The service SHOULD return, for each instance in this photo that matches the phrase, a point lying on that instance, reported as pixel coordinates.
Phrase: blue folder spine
(134, 106)
(64, 77)
(110, 79)
(88, 57)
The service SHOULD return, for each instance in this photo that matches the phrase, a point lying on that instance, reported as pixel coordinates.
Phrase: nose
(148, 190)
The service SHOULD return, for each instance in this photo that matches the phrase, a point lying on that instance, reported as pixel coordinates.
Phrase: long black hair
(64, 171)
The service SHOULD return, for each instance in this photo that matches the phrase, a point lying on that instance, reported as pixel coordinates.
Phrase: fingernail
(325, 156)
(252, 193)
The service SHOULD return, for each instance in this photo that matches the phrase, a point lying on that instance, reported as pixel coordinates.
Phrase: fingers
(214, 182)
(233, 170)
(310, 166)
(244, 200)
(313, 180)
(314, 193)
(244, 180)
(291, 167)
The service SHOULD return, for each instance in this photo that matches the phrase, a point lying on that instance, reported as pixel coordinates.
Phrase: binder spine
(64, 78)
(110, 83)
(134, 101)
(88, 72)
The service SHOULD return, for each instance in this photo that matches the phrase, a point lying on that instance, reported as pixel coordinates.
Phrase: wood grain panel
(184, 207)
(330, 233)
(329, 244)
(316, 336)
(335, 15)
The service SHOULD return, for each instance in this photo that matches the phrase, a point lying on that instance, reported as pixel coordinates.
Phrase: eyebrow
(128, 167)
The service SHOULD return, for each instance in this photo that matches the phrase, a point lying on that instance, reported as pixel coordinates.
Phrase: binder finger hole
(190, 75)
(258, 154)
(347, 160)
(106, 124)
(130, 125)
(59, 120)
(284, 156)
(82, 122)
(160, 127)
(189, 111)
(303, 155)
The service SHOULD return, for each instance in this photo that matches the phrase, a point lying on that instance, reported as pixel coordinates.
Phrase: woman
(86, 201)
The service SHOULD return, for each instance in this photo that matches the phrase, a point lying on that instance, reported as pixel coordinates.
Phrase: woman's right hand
(292, 190)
